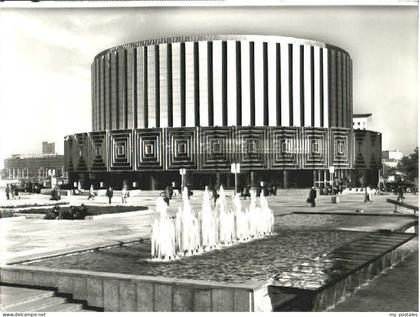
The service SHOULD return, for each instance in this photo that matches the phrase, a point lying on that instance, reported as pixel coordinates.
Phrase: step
(37, 305)
(12, 297)
(61, 307)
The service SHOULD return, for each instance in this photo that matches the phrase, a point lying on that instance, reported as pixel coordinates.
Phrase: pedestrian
(17, 192)
(109, 193)
(8, 191)
(400, 192)
(367, 196)
(312, 196)
(177, 190)
(259, 190)
(124, 194)
(189, 191)
(91, 193)
(274, 190)
(57, 192)
(12, 191)
(167, 194)
(215, 195)
(245, 192)
(54, 193)
(170, 191)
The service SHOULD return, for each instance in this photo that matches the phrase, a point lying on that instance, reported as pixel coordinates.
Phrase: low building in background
(390, 161)
(391, 158)
(48, 148)
(362, 121)
(35, 167)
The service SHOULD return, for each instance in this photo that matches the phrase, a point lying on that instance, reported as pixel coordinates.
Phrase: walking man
(312, 196)
(8, 192)
(91, 193)
(400, 197)
(124, 194)
(109, 193)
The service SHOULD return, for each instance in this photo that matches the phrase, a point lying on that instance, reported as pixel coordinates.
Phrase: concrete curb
(355, 214)
(91, 217)
(123, 292)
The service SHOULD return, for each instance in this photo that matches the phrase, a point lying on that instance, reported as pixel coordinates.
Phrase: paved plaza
(29, 238)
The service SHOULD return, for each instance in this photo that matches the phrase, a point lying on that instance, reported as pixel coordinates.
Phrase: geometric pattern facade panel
(216, 148)
(149, 149)
(252, 147)
(68, 153)
(98, 149)
(284, 148)
(121, 150)
(315, 153)
(80, 152)
(340, 147)
(181, 148)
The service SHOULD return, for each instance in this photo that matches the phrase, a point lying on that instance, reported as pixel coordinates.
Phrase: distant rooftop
(362, 115)
(30, 155)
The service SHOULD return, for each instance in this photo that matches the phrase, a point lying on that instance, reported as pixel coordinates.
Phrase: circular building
(279, 106)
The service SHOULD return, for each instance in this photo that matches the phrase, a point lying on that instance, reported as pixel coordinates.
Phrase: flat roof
(361, 115)
(221, 37)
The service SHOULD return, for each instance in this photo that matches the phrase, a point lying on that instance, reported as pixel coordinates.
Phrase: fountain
(190, 233)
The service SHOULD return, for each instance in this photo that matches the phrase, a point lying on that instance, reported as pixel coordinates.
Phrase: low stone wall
(328, 296)
(120, 292)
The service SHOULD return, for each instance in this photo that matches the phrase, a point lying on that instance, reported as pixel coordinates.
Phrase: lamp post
(51, 173)
(182, 172)
(332, 169)
(235, 168)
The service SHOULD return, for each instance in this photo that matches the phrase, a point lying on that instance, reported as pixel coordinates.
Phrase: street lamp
(182, 172)
(332, 169)
(235, 168)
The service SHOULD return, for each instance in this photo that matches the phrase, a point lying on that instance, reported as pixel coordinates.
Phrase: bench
(398, 203)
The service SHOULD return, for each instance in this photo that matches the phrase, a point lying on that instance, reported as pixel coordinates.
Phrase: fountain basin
(255, 260)
(246, 285)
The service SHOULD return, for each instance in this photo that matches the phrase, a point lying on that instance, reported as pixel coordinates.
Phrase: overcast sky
(45, 57)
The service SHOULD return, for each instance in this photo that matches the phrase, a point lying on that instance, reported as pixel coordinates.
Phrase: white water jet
(163, 233)
(224, 225)
(208, 220)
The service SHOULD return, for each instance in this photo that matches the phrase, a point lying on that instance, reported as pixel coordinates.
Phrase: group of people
(72, 213)
(261, 189)
(12, 191)
(172, 190)
(109, 193)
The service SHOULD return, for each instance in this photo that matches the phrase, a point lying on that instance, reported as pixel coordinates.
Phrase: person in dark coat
(8, 192)
(245, 192)
(312, 196)
(109, 193)
(169, 191)
(167, 194)
(215, 195)
(259, 190)
(400, 192)
(189, 191)
(16, 192)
